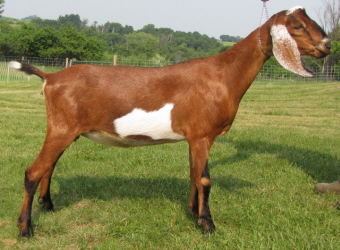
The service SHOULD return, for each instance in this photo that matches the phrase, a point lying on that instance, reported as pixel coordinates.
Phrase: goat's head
(294, 34)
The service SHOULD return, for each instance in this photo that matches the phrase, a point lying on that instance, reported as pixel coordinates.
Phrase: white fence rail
(267, 73)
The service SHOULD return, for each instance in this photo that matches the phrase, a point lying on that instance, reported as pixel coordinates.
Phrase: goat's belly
(129, 141)
(154, 125)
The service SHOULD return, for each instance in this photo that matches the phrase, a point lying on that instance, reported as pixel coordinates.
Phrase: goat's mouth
(306, 68)
(321, 53)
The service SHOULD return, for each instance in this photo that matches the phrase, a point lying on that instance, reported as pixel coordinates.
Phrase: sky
(213, 18)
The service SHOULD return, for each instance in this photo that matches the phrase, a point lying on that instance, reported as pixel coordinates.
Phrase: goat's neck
(243, 62)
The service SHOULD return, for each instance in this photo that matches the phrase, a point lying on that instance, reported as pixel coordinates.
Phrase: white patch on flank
(292, 10)
(155, 124)
(14, 65)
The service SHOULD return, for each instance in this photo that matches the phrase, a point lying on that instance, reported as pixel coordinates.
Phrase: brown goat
(195, 100)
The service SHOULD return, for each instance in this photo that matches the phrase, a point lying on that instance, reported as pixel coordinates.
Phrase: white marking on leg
(155, 124)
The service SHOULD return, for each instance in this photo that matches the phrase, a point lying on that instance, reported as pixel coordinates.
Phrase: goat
(195, 100)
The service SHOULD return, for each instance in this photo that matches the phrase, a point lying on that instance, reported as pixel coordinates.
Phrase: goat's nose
(328, 44)
(325, 45)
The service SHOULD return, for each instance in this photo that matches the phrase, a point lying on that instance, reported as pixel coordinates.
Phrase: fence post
(7, 72)
(66, 62)
(114, 60)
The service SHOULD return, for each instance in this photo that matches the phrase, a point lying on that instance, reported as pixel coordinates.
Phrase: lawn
(285, 139)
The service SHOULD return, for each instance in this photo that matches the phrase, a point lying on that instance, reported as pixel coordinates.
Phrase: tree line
(70, 36)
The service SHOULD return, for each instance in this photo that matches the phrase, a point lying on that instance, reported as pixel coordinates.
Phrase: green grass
(285, 139)
(227, 43)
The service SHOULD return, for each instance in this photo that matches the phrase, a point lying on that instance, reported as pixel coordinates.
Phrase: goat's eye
(297, 24)
(299, 27)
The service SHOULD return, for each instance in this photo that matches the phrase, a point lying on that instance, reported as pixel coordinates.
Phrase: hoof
(210, 230)
(26, 232)
(208, 225)
(48, 209)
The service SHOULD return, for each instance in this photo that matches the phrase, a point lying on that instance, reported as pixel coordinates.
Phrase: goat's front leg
(200, 183)
(40, 171)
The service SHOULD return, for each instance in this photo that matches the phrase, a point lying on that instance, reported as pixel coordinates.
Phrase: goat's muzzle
(323, 48)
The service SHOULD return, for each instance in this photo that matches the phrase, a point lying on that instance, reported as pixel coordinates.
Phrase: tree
(69, 36)
(149, 29)
(127, 29)
(2, 5)
(140, 43)
(329, 16)
(112, 40)
(30, 40)
(227, 38)
(5, 26)
(17, 42)
(73, 19)
(75, 44)
(46, 23)
(46, 42)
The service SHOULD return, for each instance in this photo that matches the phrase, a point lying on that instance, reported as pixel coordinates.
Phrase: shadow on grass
(321, 167)
(77, 188)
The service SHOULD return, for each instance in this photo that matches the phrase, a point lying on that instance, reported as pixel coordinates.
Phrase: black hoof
(210, 229)
(208, 225)
(27, 233)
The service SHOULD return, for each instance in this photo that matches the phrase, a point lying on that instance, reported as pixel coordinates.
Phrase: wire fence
(267, 73)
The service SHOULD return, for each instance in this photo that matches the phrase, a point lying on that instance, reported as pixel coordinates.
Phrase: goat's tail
(27, 68)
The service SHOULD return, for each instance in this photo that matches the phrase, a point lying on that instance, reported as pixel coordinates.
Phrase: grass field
(285, 139)
(228, 43)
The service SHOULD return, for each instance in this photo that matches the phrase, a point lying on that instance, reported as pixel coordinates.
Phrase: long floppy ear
(286, 51)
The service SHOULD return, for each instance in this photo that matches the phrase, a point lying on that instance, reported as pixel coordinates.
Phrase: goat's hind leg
(193, 204)
(41, 171)
(45, 195)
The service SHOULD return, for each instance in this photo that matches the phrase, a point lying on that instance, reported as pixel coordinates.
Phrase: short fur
(205, 93)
